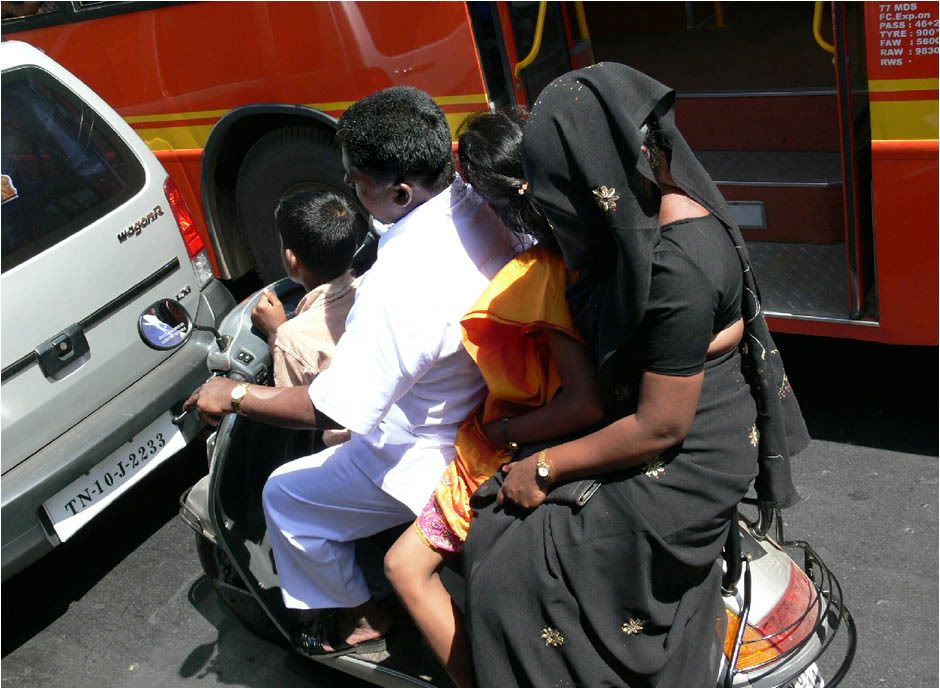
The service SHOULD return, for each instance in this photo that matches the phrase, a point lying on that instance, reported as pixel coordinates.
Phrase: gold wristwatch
(238, 394)
(543, 469)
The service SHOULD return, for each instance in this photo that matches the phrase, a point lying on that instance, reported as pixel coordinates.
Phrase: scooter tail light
(783, 628)
(195, 248)
(754, 649)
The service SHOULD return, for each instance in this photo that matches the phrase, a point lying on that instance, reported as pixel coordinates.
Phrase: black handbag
(574, 493)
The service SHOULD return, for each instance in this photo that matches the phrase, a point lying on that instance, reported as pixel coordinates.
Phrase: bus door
(524, 45)
(772, 96)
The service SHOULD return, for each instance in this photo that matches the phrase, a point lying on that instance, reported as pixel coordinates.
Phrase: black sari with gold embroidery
(624, 589)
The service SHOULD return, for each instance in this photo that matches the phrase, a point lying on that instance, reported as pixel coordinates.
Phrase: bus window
(18, 10)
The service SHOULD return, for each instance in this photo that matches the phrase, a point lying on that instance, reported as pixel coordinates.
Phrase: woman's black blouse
(695, 293)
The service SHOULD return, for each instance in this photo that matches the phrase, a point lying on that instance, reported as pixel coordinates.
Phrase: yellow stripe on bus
(887, 85)
(904, 119)
(469, 99)
(195, 136)
(176, 116)
(173, 138)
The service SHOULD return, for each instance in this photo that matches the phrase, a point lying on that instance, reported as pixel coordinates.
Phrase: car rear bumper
(26, 532)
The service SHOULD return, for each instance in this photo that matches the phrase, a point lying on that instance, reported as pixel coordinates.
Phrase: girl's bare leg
(414, 570)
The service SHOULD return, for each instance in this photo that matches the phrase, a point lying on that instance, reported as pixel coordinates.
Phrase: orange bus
(817, 120)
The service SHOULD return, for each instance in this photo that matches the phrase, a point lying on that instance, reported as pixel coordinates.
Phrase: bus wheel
(282, 161)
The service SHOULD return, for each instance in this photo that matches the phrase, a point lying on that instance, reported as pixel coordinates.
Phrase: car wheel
(231, 589)
(283, 161)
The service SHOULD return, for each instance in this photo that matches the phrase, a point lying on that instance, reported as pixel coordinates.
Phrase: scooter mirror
(164, 325)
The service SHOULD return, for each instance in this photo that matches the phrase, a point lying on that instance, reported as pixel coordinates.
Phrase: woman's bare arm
(664, 415)
(663, 418)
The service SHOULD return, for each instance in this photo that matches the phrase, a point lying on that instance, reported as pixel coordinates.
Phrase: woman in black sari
(595, 562)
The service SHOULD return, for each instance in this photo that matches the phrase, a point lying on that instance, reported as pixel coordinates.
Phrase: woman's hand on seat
(520, 486)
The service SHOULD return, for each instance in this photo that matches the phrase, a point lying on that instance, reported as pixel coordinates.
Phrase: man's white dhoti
(316, 507)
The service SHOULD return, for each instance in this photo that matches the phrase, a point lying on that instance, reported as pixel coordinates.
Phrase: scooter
(782, 617)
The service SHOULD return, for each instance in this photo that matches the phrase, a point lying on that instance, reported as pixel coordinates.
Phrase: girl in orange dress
(540, 380)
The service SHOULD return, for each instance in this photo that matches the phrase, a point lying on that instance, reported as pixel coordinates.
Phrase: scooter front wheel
(231, 589)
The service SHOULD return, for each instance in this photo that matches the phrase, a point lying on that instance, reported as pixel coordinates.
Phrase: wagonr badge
(137, 227)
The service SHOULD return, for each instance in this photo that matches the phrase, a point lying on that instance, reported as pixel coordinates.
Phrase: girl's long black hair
(489, 150)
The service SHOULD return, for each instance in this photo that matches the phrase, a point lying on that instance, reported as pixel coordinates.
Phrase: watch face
(543, 472)
(238, 393)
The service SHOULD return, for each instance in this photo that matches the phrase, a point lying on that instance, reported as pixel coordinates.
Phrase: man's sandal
(314, 636)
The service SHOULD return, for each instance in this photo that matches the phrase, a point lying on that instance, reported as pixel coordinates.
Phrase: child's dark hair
(489, 149)
(323, 230)
(399, 133)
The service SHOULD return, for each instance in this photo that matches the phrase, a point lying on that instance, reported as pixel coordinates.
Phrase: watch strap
(543, 468)
(239, 392)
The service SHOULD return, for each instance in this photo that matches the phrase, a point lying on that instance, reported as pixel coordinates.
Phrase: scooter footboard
(245, 455)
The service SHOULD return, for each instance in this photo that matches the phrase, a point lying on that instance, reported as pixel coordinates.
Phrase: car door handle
(61, 350)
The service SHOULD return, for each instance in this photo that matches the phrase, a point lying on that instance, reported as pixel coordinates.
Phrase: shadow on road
(868, 394)
(239, 657)
(75, 567)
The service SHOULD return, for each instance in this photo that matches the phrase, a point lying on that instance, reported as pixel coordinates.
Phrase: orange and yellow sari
(505, 333)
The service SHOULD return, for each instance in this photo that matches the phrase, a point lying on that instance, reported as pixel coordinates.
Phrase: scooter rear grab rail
(827, 603)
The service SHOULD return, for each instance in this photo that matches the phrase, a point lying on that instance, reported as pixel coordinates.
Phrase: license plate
(810, 678)
(83, 499)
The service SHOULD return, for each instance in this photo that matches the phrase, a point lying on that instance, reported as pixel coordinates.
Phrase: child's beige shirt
(304, 345)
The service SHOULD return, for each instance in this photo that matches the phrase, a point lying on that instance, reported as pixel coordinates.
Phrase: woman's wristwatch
(543, 470)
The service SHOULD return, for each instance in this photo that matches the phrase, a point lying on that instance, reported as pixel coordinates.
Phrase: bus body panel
(904, 124)
(194, 63)
(904, 187)
(905, 178)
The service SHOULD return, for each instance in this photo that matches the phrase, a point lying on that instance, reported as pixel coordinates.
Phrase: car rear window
(62, 166)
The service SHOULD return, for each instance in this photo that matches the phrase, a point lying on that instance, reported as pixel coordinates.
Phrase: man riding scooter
(400, 379)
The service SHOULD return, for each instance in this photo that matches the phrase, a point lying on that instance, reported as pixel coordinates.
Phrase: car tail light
(783, 628)
(195, 248)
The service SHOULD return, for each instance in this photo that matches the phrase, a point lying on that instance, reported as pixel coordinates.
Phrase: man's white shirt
(400, 378)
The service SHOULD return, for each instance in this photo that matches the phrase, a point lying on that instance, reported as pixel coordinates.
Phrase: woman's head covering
(582, 158)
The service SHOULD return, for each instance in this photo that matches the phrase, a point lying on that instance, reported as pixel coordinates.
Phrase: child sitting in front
(319, 232)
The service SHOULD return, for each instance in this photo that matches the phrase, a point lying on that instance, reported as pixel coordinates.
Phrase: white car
(94, 234)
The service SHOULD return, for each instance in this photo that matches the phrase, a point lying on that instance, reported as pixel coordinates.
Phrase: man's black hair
(399, 133)
(323, 230)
